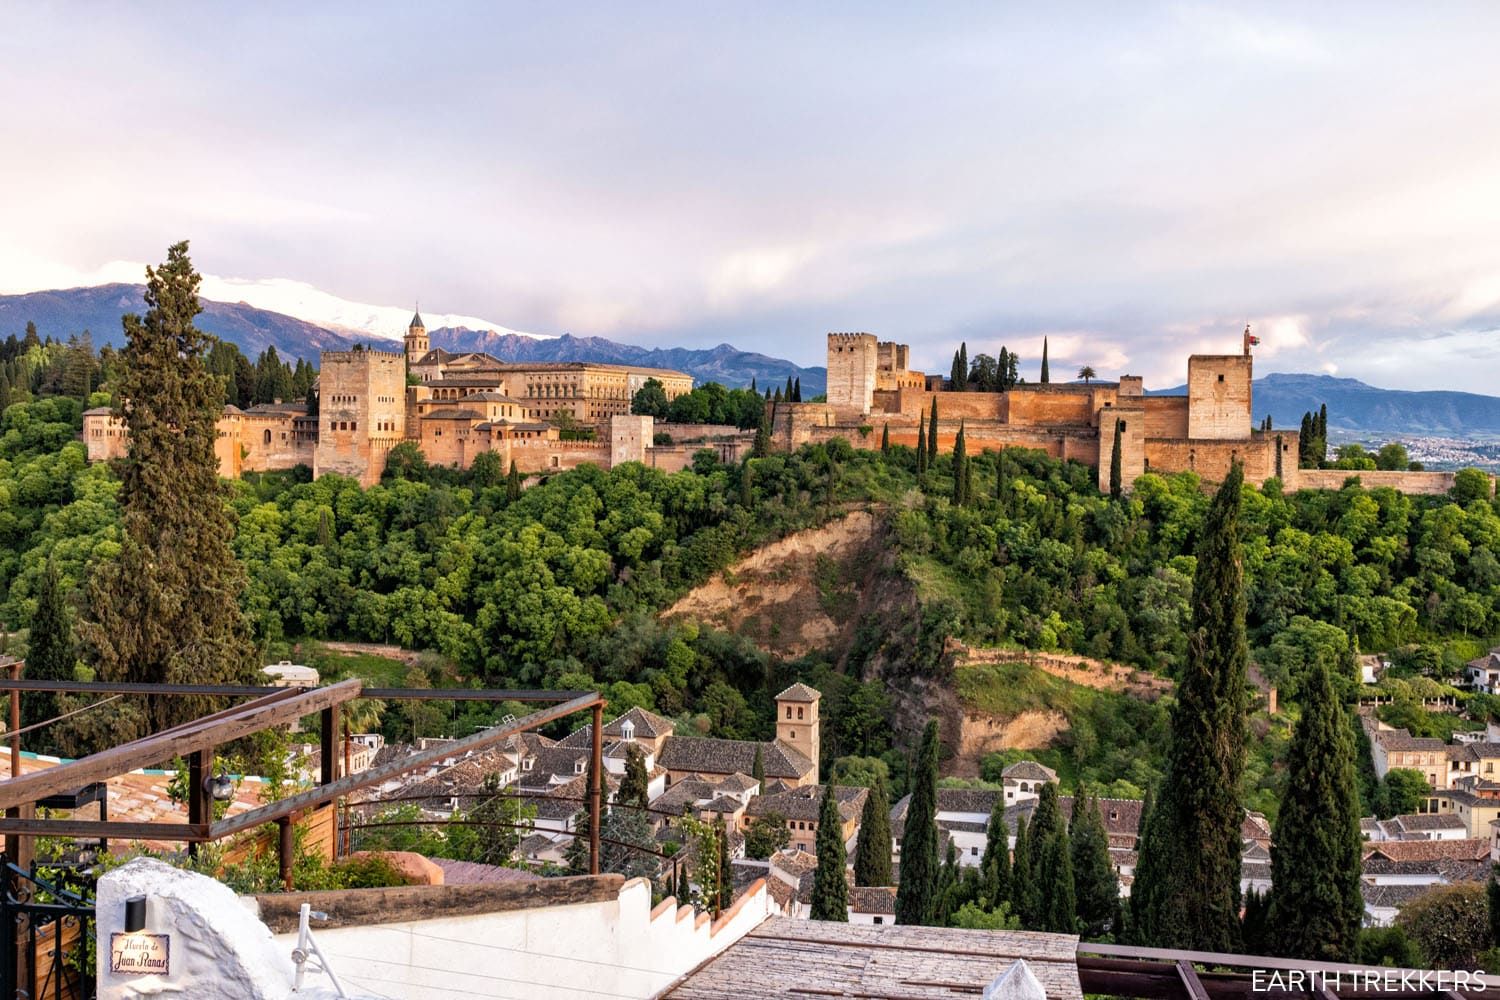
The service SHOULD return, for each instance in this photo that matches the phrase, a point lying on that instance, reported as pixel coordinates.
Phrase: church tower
(417, 344)
(797, 721)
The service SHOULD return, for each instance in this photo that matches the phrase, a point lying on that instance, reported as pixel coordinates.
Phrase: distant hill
(67, 311)
(63, 312)
(1356, 407)
(725, 364)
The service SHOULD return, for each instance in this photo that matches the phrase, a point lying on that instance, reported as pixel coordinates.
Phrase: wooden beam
(1189, 977)
(375, 775)
(596, 777)
(180, 743)
(91, 828)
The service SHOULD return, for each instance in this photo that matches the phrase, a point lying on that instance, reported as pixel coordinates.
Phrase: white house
(1483, 674)
(1024, 780)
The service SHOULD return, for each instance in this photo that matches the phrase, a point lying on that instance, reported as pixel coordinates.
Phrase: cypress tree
(1136, 908)
(1048, 818)
(634, 787)
(725, 897)
(994, 866)
(945, 899)
(885, 439)
(758, 770)
(797, 389)
(960, 467)
(958, 374)
(872, 853)
(1001, 486)
(1316, 906)
(1278, 456)
(932, 433)
(830, 895)
(167, 609)
(788, 396)
(1255, 928)
(922, 445)
(1096, 887)
(919, 842)
(50, 655)
(778, 398)
(747, 485)
(1116, 476)
(1060, 903)
(752, 385)
(1025, 894)
(1046, 375)
(1189, 872)
(513, 483)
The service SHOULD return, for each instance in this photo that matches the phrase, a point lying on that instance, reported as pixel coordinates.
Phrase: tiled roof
(1430, 821)
(1414, 850)
(724, 804)
(647, 724)
(966, 800)
(737, 783)
(799, 692)
(453, 413)
(806, 801)
(873, 899)
(1257, 871)
(1393, 895)
(1474, 751)
(962, 826)
(795, 862)
(474, 873)
(710, 756)
(1400, 739)
(1029, 770)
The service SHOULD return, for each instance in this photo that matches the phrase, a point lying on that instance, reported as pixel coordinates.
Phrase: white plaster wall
(613, 948)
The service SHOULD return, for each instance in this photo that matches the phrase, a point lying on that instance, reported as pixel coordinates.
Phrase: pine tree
(922, 445)
(1189, 874)
(758, 770)
(1060, 904)
(872, 853)
(51, 655)
(932, 434)
(994, 866)
(1096, 887)
(167, 610)
(1316, 906)
(885, 439)
(960, 468)
(513, 483)
(1046, 375)
(915, 895)
(4, 392)
(1025, 894)
(830, 895)
(1116, 475)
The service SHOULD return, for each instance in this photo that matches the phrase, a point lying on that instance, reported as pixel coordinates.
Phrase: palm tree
(1087, 372)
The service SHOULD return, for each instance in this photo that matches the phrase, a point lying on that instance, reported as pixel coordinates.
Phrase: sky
(1132, 181)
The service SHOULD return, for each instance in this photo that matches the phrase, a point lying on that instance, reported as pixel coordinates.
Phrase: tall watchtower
(852, 364)
(797, 720)
(417, 344)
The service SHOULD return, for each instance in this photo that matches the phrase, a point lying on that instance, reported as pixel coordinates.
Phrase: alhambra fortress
(457, 406)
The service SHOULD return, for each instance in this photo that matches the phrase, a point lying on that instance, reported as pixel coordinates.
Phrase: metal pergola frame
(267, 707)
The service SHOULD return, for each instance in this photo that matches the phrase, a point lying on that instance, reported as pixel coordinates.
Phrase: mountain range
(1353, 406)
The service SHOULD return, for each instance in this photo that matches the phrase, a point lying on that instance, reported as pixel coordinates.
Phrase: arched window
(268, 437)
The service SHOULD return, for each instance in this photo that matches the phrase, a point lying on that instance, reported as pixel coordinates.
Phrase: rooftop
(710, 756)
(799, 692)
(785, 957)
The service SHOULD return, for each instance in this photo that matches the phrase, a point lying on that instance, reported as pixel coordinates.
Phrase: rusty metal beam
(343, 786)
(204, 734)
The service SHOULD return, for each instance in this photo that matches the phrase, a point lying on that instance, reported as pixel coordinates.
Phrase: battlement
(852, 364)
(355, 357)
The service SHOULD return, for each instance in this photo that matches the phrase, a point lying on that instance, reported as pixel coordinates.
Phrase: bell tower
(797, 721)
(417, 344)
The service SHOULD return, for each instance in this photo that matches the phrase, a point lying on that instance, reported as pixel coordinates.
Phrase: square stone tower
(1219, 396)
(629, 437)
(852, 364)
(361, 412)
(797, 720)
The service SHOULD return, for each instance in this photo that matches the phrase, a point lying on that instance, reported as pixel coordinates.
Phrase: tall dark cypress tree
(167, 610)
(758, 770)
(1001, 486)
(915, 896)
(830, 896)
(922, 445)
(50, 653)
(1097, 890)
(788, 394)
(1046, 821)
(1116, 475)
(932, 436)
(1189, 871)
(872, 854)
(1025, 894)
(1060, 905)
(958, 375)
(797, 389)
(513, 483)
(1278, 457)
(1316, 906)
(994, 866)
(885, 439)
(960, 468)
(1046, 374)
